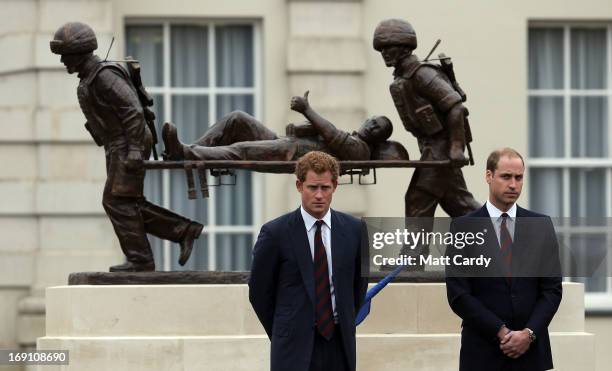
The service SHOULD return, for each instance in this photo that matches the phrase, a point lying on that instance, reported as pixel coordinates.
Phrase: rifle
(447, 67)
(432, 50)
(145, 99)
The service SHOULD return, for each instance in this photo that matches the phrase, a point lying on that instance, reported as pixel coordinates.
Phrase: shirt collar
(496, 213)
(309, 220)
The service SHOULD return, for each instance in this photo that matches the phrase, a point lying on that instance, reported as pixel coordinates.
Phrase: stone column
(18, 168)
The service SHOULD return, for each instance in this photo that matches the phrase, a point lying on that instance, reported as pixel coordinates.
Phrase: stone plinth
(212, 327)
(157, 278)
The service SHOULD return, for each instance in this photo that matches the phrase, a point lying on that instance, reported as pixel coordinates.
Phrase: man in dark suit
(507, 307)
(306, 282)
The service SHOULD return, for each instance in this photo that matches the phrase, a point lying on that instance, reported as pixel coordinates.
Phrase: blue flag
(365, 308)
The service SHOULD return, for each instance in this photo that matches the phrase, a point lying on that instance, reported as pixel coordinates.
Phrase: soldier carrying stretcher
(116, 120)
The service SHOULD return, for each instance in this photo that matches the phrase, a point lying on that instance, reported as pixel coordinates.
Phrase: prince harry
(306, 283)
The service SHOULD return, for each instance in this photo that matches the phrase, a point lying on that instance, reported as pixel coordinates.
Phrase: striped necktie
(323, 305)
(505, 242)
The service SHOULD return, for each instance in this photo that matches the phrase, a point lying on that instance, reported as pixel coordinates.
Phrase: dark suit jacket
(281, 286)
(485, 303)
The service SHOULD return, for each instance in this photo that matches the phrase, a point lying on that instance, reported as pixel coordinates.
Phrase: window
(570, 149)
(197, 72)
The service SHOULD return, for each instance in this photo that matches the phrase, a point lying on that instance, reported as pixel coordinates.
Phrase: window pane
(234, 55)
(234, 251)
(587, 191)
(545, 58)
(590, 127)
(589, 253)
(145, 43)
(196, 209)
(546, 127)
(190, 115)
(546, 191)
(229, 103)
(234, 204)
(153, 186)
(189, 56)
(588, 58)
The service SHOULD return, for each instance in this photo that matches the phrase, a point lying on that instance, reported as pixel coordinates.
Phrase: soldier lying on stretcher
(239, 136)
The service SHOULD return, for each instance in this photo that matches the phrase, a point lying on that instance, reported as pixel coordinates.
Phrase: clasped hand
(515, 343)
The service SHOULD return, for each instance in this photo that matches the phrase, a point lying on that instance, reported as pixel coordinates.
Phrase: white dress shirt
(311, 229)
(496, 218)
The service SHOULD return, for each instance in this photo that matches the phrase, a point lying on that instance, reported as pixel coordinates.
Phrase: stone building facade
(51, 174)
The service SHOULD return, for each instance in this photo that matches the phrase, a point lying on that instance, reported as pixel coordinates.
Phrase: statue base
(212, 327)
(211, 277)
(158, 278)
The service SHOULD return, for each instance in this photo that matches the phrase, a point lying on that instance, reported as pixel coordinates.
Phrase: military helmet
(74, 38)
(394, 32)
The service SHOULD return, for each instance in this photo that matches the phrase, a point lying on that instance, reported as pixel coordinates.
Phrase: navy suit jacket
(525, 300)
(281, 286)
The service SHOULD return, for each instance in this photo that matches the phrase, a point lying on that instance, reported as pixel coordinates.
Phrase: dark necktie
(323, 305)
(505, 242)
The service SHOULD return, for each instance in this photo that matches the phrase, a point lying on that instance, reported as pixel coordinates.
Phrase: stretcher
(219, 169)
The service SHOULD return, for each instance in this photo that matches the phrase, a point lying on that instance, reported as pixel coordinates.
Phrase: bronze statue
(239, 136)
(429, 102)
(431, 109)
(116, 120)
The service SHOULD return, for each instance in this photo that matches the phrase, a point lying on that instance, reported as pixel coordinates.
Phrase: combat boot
(192, 233)
(173, 148)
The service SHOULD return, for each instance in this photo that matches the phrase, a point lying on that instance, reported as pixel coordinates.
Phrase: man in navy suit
(507, 307)
(306, 281)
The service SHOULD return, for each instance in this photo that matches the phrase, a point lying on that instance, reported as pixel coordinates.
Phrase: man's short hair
(494, 157)
(319, 162)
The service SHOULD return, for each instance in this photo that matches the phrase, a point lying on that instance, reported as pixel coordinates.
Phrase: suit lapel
(337, 236)
(303, 256)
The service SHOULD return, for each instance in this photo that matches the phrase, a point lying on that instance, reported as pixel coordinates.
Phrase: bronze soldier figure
(430, 109)
(239, 136)
(116, 121)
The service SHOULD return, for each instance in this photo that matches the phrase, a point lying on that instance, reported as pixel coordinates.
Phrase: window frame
(594, 301)
(167, 91)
